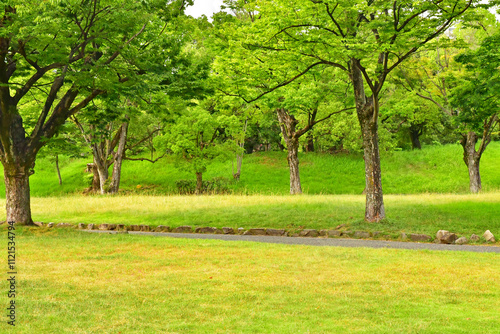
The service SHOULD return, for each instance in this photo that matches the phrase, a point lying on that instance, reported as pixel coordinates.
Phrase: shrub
(217, 185)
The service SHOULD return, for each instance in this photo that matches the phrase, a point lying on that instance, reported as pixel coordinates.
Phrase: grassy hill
(434, 169)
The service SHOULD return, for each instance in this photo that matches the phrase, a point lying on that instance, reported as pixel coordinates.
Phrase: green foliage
(217, 185)
(476, 95)
(199, 137)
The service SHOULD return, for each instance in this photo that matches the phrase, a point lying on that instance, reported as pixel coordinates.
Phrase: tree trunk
(58, 170)
(96, 184)
(239, 155)
(103, 177)
(472, 159)
(293, 164)
(199, 183)
(367, 110)
(18, 160)
(415, 133)
(117, 167)
(374, 210)
(288, 125)
(17, 190)
(239, 161)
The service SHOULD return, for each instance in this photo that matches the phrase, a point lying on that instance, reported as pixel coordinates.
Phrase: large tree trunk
(17, 190)
(288, 125)
(18, 160)
(367, 110)
(199, 183)
(58, 170)
(472, 159)
(117, 167)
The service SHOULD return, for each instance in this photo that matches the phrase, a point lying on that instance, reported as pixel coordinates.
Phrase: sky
(207, 7)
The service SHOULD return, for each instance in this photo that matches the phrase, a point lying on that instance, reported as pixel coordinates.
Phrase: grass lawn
(74, 282)
(434, 169)
(425, 213)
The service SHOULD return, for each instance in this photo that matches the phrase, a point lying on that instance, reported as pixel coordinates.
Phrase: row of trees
(141, 80)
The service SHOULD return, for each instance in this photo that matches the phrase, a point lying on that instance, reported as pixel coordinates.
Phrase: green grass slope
(434, 169)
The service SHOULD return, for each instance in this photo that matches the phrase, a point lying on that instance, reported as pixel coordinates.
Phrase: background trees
(267, 75)
(366, 40)
(477, 101)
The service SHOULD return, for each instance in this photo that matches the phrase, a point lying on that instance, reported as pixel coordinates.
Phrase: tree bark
(58, 170)
(472, 159)
(293, 164)
(102, 171)
(18, 160)
(17, 190)
(117, 167)
(199, 183)
(288, 125)
(96, 183)
(367, 111)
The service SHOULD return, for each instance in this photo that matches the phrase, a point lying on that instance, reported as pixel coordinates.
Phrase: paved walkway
(331, 242)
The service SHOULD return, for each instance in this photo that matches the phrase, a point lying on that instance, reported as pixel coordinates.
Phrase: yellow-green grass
(75, 282)
(424, 213)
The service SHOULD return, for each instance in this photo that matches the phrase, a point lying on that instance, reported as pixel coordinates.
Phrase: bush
(217, 185)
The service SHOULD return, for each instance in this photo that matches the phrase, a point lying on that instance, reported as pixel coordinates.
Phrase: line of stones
(230, 230)
(253, 231)
(443, 237)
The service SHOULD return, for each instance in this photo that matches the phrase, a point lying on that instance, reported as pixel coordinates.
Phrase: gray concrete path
(331, 242)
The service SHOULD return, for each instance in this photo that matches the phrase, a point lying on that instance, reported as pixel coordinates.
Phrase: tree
(104, 128)
(365, 39)
(80, 49)
(437, 77)
(409, 115)
(299, 107)
(197, 138)
(477, 101)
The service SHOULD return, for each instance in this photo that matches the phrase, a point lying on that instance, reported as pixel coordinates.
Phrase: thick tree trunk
(472, 159)
(367, 110)
(288, 125)
(58, 170)
(117, 167)
(199, 183)
(415, 133)
(18, 160)
(17, 190)
(374, 210)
